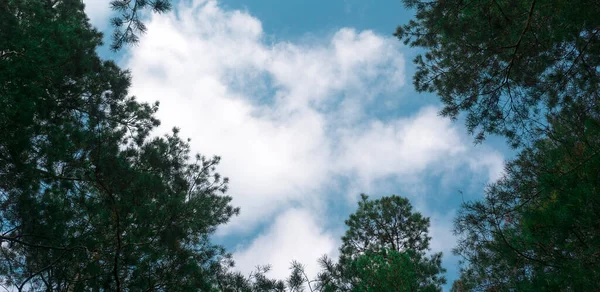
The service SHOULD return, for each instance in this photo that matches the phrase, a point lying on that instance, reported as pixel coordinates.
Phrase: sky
(309, 104)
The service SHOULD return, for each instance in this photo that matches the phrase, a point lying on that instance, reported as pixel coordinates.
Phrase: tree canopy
(527, 70)
(507, 64)
(88, 200)
(384, 249)
(537, 227)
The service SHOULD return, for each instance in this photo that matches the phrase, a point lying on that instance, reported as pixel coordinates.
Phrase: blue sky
(309, 104)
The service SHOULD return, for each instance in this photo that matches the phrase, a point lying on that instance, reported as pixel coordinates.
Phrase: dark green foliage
(506, 63)
(384, 249)
(527, 70)
(391, 270)
(87, 199)
(384, 223)
(539, 227)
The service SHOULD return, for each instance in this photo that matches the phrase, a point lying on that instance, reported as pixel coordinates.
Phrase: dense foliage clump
(506, 64)
(527, 70)
(384, 249)
(87, 198)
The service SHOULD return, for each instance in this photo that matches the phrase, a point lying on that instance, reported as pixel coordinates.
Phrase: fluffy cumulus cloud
(288, 119)
(402, 147)
(262, 107)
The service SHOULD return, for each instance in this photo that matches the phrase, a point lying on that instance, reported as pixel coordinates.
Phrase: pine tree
(506, 63)
(526, 70)
(384, 249)
(537, 228)
(128, 24)
(87, 199)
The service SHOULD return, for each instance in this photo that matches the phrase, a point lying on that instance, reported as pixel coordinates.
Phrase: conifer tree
(527, 70)
(537, 228)
(128, 24)
(384, 249)
(506, 64)
(88, 200)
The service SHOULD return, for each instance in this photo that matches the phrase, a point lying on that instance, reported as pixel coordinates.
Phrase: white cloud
(287, 118)
(98, 11)
(401, 147)
(295, 235)
(202, 64)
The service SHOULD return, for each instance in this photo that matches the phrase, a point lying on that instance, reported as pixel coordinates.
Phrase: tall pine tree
(527, 70)
(87, 199)
(538, 228)
(384, 249)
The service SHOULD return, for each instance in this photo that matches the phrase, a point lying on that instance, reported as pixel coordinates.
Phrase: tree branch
(529, 17)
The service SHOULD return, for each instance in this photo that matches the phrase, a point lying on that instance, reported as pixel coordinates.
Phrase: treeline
(90, 200)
